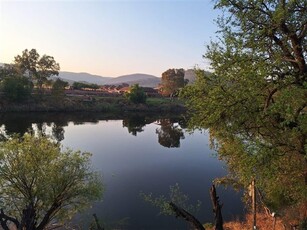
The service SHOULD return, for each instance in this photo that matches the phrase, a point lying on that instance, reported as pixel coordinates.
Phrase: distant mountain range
(82, 77)
(144, 80)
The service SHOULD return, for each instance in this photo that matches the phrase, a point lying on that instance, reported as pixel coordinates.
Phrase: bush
(58, 89)
(39, 178)
(136, 95)
(17, 88)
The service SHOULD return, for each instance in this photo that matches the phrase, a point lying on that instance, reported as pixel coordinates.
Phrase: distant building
(151, 92)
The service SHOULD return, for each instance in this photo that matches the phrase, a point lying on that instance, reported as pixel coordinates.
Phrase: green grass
(162, 101)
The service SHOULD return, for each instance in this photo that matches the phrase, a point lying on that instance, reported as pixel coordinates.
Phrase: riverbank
(93, 104)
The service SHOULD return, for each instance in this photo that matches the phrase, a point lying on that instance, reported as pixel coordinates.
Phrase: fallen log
(180, 212)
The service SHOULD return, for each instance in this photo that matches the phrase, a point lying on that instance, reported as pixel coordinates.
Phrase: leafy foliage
(136, 95)
(36, 174)
(37, 68)
(176, 196)
(58, 89)
(16, 88)
(7, 70)
(172, 80)
(255, 100)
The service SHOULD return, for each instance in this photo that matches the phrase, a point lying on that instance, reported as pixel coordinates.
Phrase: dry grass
(264, 222)
(291, 219)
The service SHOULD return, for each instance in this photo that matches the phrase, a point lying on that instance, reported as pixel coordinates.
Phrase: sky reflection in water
(131, 162)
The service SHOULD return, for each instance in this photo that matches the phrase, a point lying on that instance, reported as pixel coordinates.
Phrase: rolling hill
(144, 80)
(82, 77)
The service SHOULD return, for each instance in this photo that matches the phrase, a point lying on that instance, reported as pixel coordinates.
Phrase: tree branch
(48, 215)
(269, 98)
(4, 218)
(180, 212)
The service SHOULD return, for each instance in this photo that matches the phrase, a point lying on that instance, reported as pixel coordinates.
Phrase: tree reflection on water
(169, 134)
(135, 124)
(169, 131)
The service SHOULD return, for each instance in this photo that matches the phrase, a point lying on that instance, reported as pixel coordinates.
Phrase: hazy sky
(110, 38)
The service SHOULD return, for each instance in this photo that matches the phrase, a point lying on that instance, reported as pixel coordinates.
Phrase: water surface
(138, 153)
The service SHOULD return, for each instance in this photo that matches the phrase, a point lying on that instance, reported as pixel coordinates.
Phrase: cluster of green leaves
(136, 95)
(176, 196)
(16, 88)
(36, 173)
(58, 89)
(254, 102)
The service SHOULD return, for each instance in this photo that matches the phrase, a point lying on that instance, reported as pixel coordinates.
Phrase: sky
(110, 38)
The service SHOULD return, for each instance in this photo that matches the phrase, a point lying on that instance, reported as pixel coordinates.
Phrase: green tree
(58, 89)
(7, 70)
(136, 95)
(37, 68)
(16, 88)
(171, 81)
(254, 102)
(41, 185)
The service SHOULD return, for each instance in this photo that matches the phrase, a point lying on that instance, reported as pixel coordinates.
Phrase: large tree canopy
(38, 68)
(254, 102)
(171, 81)
(42, 185)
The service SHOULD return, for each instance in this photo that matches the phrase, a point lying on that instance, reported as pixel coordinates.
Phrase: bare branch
(180, 212)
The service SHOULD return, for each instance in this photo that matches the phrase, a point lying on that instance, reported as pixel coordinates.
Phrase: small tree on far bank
(7, 70)
(136, 95)
(41, 185)
(16, 88)
(58, 88)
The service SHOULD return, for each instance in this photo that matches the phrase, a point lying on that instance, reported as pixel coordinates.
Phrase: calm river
(137, 154)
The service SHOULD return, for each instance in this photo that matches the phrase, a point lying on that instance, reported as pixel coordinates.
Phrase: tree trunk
(217, 209)
(254, 207)
(28, 219)
(4, 220)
